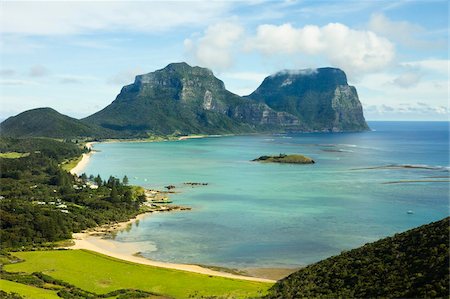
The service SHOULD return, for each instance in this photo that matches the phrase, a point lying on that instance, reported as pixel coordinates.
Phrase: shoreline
(94, 240)
(84, 159)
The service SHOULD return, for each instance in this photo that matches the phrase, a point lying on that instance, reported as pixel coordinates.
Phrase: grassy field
(101, 274)
(68, 165)
(13, 155)
(26, 291)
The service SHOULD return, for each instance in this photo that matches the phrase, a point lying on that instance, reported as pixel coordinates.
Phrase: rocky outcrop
(320, 98)
(186, 100)
(180, 99)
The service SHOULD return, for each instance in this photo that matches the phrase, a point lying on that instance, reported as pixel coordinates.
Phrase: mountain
(182, 99)
(46, 122)
(321, 99)
(413, 264)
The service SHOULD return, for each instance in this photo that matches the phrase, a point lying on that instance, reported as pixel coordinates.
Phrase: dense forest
(41, 203)
(413, 264)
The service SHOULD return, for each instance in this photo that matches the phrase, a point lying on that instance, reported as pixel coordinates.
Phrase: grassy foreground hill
(413, 264)
(75, 267)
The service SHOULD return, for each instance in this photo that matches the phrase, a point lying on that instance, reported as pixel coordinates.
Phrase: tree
(98, 180)
(125, 180)
(114, 195)
(128, 196)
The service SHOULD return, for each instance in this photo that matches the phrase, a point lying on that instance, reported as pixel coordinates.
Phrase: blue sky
(75, 56)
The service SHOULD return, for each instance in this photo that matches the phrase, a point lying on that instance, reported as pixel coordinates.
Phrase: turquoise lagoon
(364, 186)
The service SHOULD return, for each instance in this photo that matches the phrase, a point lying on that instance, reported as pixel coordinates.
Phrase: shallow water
(274, 215)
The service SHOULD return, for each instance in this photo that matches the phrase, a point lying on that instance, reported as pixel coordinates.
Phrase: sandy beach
(95, 240)
(84, 160)
(98, 239)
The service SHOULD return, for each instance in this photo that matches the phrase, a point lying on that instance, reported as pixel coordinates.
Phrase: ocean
(363, 187)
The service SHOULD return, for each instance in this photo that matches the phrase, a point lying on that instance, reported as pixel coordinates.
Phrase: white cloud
(215, 48)
(285, 39)
(418, 110)
(355, 51)
(404, 32)
(125, 76)
(246, 76)
(429, 95)
(401, 31)
(408, 79)
(74, 17)
(440, 66)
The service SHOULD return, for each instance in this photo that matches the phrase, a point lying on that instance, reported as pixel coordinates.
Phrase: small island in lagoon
(283, 158)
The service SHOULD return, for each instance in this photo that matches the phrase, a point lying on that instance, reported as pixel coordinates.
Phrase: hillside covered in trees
(41, 203)
(413, 264)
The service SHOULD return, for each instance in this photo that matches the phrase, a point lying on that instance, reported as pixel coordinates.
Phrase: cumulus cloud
(215, 48)
(74, 17)
(285, 39)
(355, 51)
(38, 71)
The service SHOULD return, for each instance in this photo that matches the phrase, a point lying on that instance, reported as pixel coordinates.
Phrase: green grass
(13, 155)
(69, 164)
(26, 291)
(102, 274)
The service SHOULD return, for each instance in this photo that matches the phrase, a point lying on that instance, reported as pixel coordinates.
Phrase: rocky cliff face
(180, 99)
(320, 98)
(184, 100)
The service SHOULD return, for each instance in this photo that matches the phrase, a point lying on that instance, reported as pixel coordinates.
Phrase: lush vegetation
(13, 155)
(41, 203)
(413, 264)
(282, 158)
(181, 100)
(15, 285)
(321, 99)
(72, 267)
(46, 122)
(8, 288)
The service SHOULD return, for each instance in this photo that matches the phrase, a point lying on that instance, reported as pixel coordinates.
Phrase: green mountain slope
(321, 99)
(185, 100)
(46, 122)
(413, 264)
(180, 99)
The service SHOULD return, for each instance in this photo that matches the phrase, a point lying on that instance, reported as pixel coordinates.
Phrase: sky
(75, 56)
